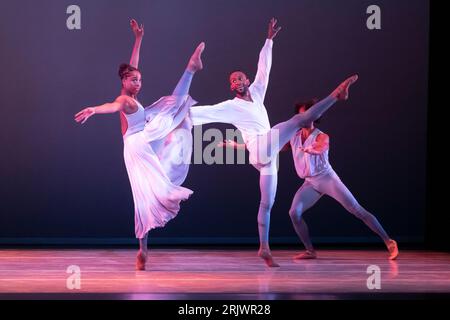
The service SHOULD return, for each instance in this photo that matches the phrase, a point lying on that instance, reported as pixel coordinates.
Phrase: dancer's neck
(307, 131)
(246, 96)
(123, 92)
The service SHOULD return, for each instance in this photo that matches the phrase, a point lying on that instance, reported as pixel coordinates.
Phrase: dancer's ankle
(334, 96)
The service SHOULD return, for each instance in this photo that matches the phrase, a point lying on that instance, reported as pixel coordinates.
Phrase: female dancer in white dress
(310, 151)
(155, 145)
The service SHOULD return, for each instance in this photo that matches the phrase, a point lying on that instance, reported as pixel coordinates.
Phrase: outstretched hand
(227, 143)
(307, 149)
(138, 31)
(84, 114)
(273, 30)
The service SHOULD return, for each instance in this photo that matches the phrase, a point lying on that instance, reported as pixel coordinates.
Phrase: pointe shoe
(341, 92)
(195, 63)
(306, 255)
(141, 259)
(393, 249)
(267, 257)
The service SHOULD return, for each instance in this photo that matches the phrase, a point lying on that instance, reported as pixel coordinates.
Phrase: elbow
(116, 108)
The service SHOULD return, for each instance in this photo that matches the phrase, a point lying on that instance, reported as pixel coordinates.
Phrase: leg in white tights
(268, 188)
(304, 199)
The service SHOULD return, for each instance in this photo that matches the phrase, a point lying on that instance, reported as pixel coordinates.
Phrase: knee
(296, 213)
(268, 167)
(266, 205)
(357, 210)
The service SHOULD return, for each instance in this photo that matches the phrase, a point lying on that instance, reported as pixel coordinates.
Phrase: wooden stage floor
(220, 274)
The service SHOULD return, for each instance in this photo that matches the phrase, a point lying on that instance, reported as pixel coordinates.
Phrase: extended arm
(139, 34)
(112, 107)
(221, 112)
(265, 59)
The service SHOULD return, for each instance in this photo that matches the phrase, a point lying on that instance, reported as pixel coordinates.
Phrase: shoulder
(232, 102)
(322, 137)
(223, 105)
(256, 90)
(127, 103)
(124, 99)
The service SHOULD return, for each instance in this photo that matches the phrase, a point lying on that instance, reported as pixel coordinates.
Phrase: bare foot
(195, 63)
(393, 249)
(306, 255)
(141, 259)
(341, 92)
(267, 257)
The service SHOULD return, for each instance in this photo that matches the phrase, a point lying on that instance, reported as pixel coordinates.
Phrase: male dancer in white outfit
(248, 113)
(310, 151)
(149, 148)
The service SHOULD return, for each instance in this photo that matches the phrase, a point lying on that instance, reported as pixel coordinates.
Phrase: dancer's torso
(251, 116)
(309, 165)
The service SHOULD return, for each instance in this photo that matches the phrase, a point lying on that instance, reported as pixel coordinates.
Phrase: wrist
(269, 42)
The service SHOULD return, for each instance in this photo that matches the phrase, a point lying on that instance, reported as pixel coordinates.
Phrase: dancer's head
(302, 106)
(239, 82)
(131, 78)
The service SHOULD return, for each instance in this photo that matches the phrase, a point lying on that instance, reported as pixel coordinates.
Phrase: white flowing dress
(157, 153)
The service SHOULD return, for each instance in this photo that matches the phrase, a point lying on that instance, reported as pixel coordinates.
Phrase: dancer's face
(239, 82)
(308, 125)
(132, 82)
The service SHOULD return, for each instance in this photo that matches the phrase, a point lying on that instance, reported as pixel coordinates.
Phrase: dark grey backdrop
(64, 183)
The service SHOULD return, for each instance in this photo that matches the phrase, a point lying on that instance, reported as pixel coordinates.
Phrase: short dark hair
(306, 104)
(237, 70)
(126, 69)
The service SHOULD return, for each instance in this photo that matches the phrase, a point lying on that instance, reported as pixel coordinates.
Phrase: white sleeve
(264, 64)
(220, 112)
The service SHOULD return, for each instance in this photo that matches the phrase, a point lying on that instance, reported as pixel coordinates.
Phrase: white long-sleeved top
(249, 117)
